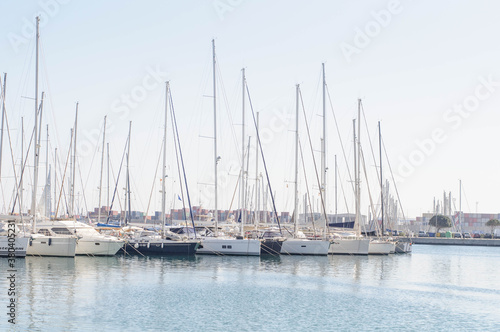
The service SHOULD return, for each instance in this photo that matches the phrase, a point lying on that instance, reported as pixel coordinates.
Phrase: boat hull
(98, 247)
(305, 247)
(162, 247)
(378, 247)
(17, 250)
(222, 246)
(51, 246)
(346, 246)
(403, 247)
(270, 246)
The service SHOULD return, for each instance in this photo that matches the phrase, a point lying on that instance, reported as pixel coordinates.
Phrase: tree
(439, 221)
(493, 223)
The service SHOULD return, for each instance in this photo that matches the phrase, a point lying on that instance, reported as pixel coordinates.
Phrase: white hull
(305, 247)
(403, 247)
(348, 246)
(41, 245)
(380, 247)
(229, 246)
(98, 247)
(19, 248)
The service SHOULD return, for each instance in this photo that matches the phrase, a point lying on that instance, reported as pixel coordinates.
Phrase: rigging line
(340, 137)
(153, 185)
(369, 191)
(312, 153)
(223, 90)
(13, 166)
(179, 173)
(182, 163)
(64, 176)
(263, 159)
(307, 188)
(117, 178)
(24, 165)
(369, 139)
(92, 160)
(466, 201)
(393, 180)
(83, 191)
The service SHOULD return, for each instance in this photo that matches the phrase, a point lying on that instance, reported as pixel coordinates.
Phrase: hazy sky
(427, 70)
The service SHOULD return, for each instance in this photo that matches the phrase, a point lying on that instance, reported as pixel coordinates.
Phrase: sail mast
(216, 158)
(296, 191)
(102, 163)
(242, 173)
(74, 165)
(381, 183)
(323, 153)
(164, 175)
(35, 172)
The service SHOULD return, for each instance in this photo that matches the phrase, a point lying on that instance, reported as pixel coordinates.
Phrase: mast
(163, 193)
(3, 117)
(381, 183)
(48, 200)
(74, 165)
(35, 172)
(296, 190)
(336, 201)
(22, 169)
(100, 178)
(257, 174)
(216, 158)
(323, 151)
(242, 179)
(128, 173)
(107, 201)
(358, 172)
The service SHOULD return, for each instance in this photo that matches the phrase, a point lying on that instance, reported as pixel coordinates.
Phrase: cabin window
(223, 247)
(61, 230)
(44, 231)
(97, 244)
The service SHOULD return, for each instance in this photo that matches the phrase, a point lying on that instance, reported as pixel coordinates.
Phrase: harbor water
(435, 288)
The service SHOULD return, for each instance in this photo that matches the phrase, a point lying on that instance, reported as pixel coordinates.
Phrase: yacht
(89, 241)
(13, 242)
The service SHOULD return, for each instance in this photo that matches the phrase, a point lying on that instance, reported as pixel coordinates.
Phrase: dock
(455, 241)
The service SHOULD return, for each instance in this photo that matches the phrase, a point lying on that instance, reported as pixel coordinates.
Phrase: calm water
(435, 288)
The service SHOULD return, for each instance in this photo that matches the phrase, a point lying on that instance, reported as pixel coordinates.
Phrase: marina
(436, 287)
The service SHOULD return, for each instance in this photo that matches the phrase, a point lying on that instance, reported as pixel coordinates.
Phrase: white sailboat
(298, 245)
(219, 244)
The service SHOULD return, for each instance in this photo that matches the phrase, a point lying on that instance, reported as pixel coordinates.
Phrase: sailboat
(348, 243)
(298, 245)
(166, 243)
(217, 243)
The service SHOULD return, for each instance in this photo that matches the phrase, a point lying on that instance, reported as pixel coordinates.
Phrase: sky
(428, 71)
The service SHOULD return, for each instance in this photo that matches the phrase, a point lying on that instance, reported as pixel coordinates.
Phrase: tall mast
(127, 207)
(358, 170)
(216, 158)
(242, 178)
(3, 117)
(107, 200)
(257, 174)
(323, 151)
(163, 193)
(381, 183)
(100, 178)
(336, 201)
(35, 172)
(296, 190)
(74, 165)
(22, 169)
(48, 200)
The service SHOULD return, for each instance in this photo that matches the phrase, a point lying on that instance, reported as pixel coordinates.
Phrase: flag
(179, 197)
